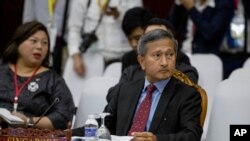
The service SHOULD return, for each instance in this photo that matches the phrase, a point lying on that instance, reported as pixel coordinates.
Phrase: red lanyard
(17, 89)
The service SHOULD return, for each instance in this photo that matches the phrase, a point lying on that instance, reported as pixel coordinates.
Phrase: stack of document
(113, 138)
(9, 118)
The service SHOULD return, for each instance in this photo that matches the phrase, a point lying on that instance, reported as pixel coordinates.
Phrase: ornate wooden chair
(184, 78)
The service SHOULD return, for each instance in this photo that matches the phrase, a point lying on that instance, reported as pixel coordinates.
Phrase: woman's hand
(143, 136)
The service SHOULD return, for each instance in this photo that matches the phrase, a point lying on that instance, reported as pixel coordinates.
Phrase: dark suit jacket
(128, 59)
(176, 117)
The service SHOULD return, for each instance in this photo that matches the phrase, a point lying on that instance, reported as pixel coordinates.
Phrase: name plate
(31, 134)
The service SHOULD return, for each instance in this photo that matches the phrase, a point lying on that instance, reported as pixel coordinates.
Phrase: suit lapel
(167, 94)
(134, 95)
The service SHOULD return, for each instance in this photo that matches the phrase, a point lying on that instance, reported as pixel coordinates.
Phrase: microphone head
(57, 100)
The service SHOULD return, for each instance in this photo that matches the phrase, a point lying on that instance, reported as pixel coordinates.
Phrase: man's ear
(141, 60)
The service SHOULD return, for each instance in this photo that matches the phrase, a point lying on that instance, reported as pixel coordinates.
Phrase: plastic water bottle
(91, 127)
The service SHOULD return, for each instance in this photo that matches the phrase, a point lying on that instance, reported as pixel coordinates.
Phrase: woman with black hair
(31, 90)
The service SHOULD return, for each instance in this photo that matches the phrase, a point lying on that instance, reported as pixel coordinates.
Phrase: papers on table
(113, 138)
(9, 118)
(121, 138)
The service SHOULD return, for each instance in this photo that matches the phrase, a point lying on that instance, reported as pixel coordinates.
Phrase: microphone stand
(53, 103)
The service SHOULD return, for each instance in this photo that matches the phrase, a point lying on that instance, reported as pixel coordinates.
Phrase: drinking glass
(103, 133)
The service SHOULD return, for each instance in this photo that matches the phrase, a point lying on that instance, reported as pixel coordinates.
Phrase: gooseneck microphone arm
(46, 111)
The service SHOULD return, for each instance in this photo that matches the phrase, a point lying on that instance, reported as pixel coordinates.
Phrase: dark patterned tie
(141, 117)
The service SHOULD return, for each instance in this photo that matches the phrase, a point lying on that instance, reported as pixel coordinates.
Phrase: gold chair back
(185, 79)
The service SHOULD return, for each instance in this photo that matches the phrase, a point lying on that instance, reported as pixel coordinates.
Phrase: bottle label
(90, 131)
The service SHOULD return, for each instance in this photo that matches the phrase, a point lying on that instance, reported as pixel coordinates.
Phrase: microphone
(56, 100)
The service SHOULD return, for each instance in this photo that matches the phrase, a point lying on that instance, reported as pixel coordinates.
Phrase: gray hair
(155, 35)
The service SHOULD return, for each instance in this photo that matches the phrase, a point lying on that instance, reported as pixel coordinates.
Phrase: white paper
(113, 138)
(77, 138)
(9, 118)
(121, 138)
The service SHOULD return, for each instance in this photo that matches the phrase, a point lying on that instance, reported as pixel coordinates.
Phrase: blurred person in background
(200, 26)
(133, 25)
(111, 41)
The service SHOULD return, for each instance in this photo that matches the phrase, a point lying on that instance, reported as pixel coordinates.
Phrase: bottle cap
(93, 116)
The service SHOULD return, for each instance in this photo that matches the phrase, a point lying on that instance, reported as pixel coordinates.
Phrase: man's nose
(134, 44)
(164, 60)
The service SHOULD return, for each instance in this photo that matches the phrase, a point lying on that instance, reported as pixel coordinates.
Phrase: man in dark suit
(175, 108)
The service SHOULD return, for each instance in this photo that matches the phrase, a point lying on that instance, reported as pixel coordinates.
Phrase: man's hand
(143, 136)
(78, 65)
(112, 11)
(188, 4)
(22, 116)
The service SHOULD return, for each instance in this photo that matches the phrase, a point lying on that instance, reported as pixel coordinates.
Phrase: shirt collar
(160, 85)
(210, 3)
